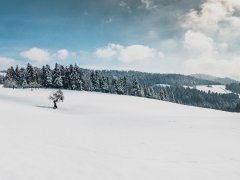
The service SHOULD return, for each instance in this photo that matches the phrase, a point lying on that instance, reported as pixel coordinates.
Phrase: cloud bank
(42, 56)
(210, 38)
(129, 54)
(36, 55)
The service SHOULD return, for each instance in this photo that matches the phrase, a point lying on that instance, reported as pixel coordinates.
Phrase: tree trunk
(55, 104)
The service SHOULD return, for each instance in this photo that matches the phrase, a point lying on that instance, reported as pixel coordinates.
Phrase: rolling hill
(105, 137)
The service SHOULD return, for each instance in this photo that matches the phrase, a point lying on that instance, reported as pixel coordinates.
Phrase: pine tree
(76, 80)
(24, 84)
(22, 76)
(30, 74)
(112, 87)
(57, 77)
(10, 79)
(95, 80)
(103, 84)
(238, 107)
(119, 86)
(66, 79)
(148, 92)
(79, 80)
(162, 95)
(10, 76)
(47, 76)
(136, 89)
(58, 82)
(17, 76)
(125, 86)
(166, 91)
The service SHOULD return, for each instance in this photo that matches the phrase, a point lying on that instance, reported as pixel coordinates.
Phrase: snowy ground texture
(221, 89)
(108, 137)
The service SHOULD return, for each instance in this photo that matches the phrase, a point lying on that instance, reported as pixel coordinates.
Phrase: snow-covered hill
(108, 137)
(221, 89)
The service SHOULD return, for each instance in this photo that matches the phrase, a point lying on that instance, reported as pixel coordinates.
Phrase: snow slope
(2, 74)
(221, 89)
(97, 136)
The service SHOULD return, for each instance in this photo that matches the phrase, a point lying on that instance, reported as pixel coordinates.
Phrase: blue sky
(184, 36)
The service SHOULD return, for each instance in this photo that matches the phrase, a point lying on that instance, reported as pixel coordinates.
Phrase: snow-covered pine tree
(112, 85)
(10, 84)
(10, 75)
(22, 76)
(66, 78)
(47, 76)
(103, 83)
(17, 76)
(153, 93)
(136, 89)
(79, 80)
(162, 95)
(1, 79)
(166, 92)
(171, 95)
(238, 107)
(119, 86)
(58, 82)
(95, 80)
(10, 81)
(148, 92)
(30, 74)
(57, 77)
(70, 82)
(75, 78)
(125, 85)
(24, 84)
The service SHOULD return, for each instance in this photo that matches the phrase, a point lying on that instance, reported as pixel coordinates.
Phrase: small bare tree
(56, 97)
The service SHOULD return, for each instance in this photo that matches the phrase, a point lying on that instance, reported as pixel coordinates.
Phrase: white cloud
(36, 55)
(222, 67)
(212, 32)
(109, 51)
(137, 53)
(198, 43)
(62, 54)
(129, 54)
(6, 62)
(211, 14)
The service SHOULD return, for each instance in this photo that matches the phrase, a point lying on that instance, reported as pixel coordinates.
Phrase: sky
(162, 36)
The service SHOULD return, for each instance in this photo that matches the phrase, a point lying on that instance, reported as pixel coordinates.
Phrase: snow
(162, 85)
(221, 89)
(95, 136)
(2, 74)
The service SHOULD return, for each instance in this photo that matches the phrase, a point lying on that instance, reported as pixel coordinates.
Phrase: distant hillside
(215, 79)
(234, 87)
(150, 79)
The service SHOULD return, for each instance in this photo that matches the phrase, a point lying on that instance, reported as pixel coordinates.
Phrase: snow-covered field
(108, 137)
(221, 89)
(2, 74)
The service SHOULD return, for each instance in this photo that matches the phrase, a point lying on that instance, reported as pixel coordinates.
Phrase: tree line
(234, 87)
(132, 83)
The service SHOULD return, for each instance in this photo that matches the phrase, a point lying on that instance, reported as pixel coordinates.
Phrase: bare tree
(56, 97)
